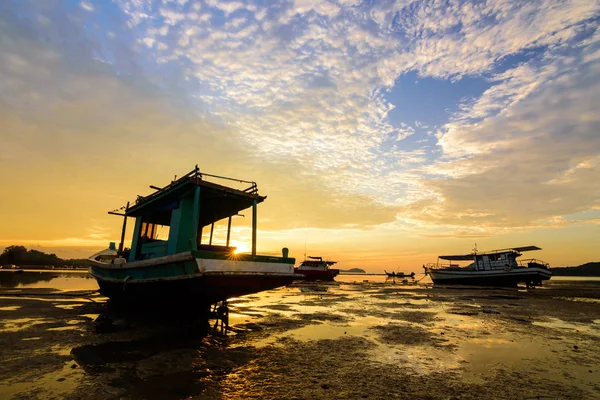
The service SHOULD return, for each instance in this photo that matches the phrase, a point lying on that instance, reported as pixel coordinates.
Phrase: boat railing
(534, 263)
(448, 265)
(195, 173)
(252, 189)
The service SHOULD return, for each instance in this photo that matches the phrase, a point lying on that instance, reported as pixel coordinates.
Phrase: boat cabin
(492, 260)
(171, 220)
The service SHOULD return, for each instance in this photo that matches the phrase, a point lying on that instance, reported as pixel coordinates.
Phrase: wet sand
(354, 340)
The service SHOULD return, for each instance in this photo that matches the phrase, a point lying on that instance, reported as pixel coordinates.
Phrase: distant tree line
(588, 269)
(19, 255)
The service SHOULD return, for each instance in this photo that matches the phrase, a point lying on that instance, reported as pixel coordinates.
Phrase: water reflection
(93, 349)
(57, 280)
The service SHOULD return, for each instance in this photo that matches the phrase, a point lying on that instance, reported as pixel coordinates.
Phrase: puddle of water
(61, 350)
(67, 306)
(327, 330)
(420, 360)
(63, 328)
(19, 324)
(58, 280)
(56, 384)
(556, 323)
(71, 325)
(580, 299)
(9, 308)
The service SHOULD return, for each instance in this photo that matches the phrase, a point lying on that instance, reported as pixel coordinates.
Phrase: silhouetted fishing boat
(399, 274)
(179, 268)
(491, 268)
(314, 268)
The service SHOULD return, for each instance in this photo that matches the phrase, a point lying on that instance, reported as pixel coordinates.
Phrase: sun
(241, 248)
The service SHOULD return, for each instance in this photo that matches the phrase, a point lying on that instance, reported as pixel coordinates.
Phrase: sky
(383, 133)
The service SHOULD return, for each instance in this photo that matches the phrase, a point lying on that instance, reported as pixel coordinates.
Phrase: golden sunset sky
(383, 133)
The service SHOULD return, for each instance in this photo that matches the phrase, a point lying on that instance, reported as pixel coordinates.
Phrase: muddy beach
(363, 337)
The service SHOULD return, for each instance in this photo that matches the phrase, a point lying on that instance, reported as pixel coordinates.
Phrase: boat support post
(196, 217)
(254, 218)
(123, 230)
(228, 231)
(221, 314)
(212, 228)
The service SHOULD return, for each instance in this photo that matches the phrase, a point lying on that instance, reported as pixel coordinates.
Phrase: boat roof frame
(469, 257)
(157, 206)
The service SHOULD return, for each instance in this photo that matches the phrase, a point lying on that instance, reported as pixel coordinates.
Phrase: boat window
(148, 231)
(162, 232)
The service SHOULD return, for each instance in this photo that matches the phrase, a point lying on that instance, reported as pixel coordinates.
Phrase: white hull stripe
(234, 266)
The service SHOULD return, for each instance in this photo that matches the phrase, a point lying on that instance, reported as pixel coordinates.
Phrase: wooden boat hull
(502, 278)
(198, 290)
(317, 275)
(187, 278)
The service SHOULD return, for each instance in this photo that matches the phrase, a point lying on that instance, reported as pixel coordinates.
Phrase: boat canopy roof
(469, 257)
(466, 257)
(216, 201)
(311, 260)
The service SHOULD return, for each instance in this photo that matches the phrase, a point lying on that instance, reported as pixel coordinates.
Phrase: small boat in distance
(399, 274)
(314, 268)
(491, 268)
(169, 263)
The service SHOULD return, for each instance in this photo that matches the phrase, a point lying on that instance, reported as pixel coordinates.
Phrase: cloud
(531, 162)
(305, 90)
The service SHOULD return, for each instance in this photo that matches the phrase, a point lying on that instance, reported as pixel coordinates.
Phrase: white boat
(315, 268)
(490, 268)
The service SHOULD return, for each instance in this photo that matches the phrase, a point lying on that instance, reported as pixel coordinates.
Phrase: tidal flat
(361, 337)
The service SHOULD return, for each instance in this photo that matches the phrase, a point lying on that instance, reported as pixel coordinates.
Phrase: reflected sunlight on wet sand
(357, 337)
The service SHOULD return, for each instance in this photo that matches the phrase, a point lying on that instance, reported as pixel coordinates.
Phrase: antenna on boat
(475, 249)
(305, 249)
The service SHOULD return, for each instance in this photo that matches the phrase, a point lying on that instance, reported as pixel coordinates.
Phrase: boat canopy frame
(212, 202)
(471, 256)
(216, 201)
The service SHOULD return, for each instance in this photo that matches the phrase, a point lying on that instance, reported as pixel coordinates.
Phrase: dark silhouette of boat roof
(216, 201)
(469, 257)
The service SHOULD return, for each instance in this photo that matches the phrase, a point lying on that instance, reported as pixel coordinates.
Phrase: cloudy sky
(383, 133)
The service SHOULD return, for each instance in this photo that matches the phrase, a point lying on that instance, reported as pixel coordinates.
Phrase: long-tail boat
(179, 267)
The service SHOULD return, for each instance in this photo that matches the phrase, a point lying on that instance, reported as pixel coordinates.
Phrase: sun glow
(241, 248)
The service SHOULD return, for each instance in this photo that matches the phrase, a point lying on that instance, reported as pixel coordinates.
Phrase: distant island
(352, 271)
(20, 257)
(588, 269)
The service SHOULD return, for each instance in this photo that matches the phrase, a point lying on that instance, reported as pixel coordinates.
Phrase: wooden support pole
(228, 231)
(123, 230)
(254, 220)
(212, 228)
(196, 217)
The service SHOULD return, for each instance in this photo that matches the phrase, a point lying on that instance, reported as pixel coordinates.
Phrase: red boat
(314, 268)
